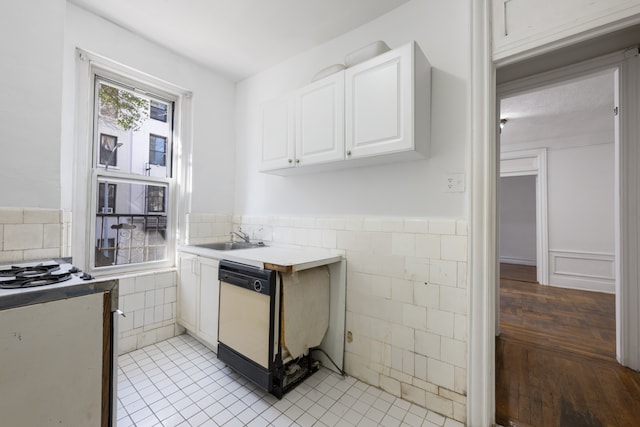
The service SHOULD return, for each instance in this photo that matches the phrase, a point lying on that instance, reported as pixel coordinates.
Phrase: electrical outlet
(454, 183)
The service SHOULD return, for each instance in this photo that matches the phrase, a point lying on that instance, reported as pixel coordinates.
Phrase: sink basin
(229, 246)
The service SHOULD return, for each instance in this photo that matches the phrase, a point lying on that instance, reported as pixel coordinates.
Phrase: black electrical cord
(343, 373)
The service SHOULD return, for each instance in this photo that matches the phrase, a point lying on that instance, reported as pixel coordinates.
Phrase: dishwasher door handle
(235, 279)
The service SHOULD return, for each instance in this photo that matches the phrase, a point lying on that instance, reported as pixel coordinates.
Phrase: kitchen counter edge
(283, 259)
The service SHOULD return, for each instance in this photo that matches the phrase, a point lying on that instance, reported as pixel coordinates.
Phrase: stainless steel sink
(229, 246)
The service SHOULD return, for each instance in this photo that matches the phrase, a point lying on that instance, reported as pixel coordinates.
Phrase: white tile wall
(406, 299)
(207, 228)
(32, 233)
(148, 300)
(149, 305)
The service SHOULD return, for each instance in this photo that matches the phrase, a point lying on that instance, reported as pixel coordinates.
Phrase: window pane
(126, 133)
(108, 151)
(134, 227)
(155, 199)
(157, 150)
(158, 111)
(109, 201)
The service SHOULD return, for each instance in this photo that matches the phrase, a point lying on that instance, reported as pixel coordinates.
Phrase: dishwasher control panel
(247, 276)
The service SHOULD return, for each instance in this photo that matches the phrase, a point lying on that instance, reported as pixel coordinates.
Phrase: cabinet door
(187, 290)
(379, 104)
(277, 134)
(320, 121)
(521, 25)
(208, 300)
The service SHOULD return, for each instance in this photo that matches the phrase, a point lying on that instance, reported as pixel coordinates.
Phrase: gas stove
(36, 274)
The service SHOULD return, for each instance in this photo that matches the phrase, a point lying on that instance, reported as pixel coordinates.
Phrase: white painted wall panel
(581, 199)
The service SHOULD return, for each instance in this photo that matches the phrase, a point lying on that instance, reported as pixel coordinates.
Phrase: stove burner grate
(31, 276)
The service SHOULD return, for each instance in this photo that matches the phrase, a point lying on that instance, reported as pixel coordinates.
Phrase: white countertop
(270, 257)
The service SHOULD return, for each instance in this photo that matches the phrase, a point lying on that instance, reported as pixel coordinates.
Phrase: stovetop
(37, 274)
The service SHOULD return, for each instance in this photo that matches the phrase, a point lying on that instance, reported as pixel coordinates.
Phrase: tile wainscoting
(149, 305)
(406, 299)
(406, 291)
(33, 233)
(208, 228)
(148, 300)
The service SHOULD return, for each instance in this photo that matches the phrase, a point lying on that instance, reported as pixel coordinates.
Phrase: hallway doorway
(553, 339)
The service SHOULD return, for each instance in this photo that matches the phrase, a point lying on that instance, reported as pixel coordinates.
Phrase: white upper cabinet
(377, 111)
(278, 149)
(381, 105)
(520, 26)
(319, 121)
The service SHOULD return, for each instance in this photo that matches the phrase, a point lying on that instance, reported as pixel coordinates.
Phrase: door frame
(483, 253)
(536, 166)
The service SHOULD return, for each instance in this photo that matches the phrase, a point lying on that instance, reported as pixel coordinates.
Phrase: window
(109, 198)
(108, 153)
(131, 209)
(157, 150)
(158, 111)
(155, 199)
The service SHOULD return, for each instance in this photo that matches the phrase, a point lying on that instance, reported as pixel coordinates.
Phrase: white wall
(581, 202)
(518, 219)
(213, 103)
(581, 211)
(410, 188)
(31, 87)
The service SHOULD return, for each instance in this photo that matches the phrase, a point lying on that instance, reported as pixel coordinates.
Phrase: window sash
(142, 237)
(127, 239)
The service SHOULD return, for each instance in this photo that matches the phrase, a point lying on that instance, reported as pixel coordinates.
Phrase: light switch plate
(454, 183)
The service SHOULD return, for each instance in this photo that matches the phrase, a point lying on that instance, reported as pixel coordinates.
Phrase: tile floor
(180, 382)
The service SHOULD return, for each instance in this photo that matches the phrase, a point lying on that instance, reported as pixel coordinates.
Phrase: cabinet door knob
(349, 153)
(297, 160)
(290, 161)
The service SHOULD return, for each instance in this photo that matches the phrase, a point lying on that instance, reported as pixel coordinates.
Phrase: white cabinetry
(319, 121)
(277, 134)
(525, 25)
(198, 296)
(187, 291)
(386, 104)
(375, 112)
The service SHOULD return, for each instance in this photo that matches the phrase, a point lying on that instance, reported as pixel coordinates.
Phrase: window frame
(89, 168)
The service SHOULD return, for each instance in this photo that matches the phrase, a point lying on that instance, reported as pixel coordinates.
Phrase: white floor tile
(180, 382)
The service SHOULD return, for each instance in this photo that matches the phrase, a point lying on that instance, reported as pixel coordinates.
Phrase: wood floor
(555, 358)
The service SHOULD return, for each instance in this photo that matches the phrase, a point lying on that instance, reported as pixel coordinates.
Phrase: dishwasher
(249, 329)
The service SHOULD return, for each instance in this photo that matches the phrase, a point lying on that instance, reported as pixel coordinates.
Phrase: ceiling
(572, 108)
(239, 38)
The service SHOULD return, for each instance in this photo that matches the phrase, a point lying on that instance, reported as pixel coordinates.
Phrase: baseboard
(508, 260)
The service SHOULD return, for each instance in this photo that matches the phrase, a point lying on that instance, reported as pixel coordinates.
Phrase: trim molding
(589, 271)
(483, 257)
(628, 226)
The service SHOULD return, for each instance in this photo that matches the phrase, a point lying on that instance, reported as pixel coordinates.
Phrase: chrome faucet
(240, 234)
